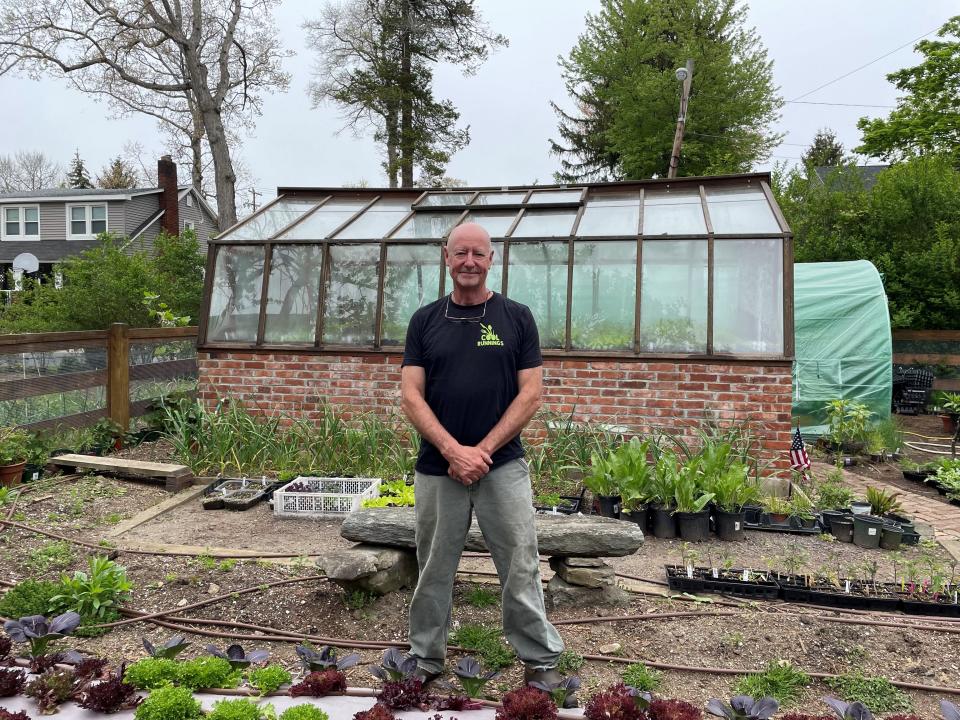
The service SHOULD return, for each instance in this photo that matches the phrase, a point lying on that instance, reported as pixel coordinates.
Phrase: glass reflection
(545, 223)
(412, 280)
(325, 220)
(427, 225)
(235, 295)
(538, 279)
(495, 223)
(351, 301)
(377, 221)
(740, 210)
(748, 296)
(611, 214)
(293, 294)
(601, 319)
(673, 296)
(270, 221)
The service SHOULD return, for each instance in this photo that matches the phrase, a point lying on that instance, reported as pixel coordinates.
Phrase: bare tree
(28, 171)
(168, 58)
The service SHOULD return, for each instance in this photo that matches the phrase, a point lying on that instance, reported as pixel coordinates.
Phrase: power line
(855, 70)
(809, 102)
(728, 137)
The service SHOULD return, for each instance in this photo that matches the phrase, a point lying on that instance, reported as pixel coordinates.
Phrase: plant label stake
(847, 583)
(689, 571)
(746, 576)
(715, 573)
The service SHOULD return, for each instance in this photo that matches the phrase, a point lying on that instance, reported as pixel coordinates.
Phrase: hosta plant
(744, 707)
(168, 650)
(237, 657)
(394, 666)
(320, 683)
(472, 680)
(325, 658)
(849, 711)
(40, 632)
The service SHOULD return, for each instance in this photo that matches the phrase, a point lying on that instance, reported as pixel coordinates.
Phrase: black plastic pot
(663, 523)
(866, 531)
(730, 525)
(918, 475)
(32, 473)
(827, 515)
(903, 521)
(806, 523)
(609, 506)
(891, 536)
(637, 515)
(752, 514)
(694, 527)
(842, 528)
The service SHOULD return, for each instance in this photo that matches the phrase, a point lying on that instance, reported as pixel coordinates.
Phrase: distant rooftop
(66, 193)
(867, 173)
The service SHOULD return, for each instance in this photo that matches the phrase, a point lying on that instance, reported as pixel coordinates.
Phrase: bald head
(471, 232)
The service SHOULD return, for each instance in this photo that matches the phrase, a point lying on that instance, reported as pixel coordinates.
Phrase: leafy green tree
(926, 119)
(907, 225)
(178, 264)
(825, 150)
(77, 176)
(117, 175)
(620, 76)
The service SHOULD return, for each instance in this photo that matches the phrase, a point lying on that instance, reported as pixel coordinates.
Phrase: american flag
(799, 460)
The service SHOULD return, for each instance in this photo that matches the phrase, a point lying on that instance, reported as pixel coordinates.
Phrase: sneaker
(550, 676)
(426, 676)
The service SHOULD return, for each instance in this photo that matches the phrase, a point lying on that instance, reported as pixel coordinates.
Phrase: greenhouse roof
(740, 205)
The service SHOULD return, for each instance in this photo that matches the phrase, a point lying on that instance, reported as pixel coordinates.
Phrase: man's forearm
(515, 419)
(426, 423)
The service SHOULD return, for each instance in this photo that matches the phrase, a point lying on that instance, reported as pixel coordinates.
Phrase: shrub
(674, 710)
(240, 709)
(641, 677)
(320, 683)
(30, 597)
(268, 679)
(877, 693)
(779, 680)
(151, 673)
(304, 712)
(12, 681)
(527, 703)
(614, 702)
(169, 703)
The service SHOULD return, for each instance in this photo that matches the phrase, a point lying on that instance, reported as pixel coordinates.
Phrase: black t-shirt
(471, 369)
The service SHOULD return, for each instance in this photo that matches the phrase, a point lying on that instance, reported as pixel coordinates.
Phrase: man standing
(471, 380)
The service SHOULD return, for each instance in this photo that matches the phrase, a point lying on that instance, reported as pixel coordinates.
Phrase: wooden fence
(116, 376)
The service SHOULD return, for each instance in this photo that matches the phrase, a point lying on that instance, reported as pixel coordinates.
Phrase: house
(40, 227)
(844, 176)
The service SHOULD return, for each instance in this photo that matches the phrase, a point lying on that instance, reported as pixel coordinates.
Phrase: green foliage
(93, 594)
(833, 494)
(207, 672)
(641, 677)
(51, 556)
(882, 502)
(393, 494)
(620, 76)
(169, 703)
(779, 680)
(825, 150)
(268, 679)
(14, 445)
(29, 597)
(304, 712)
(151, 673)
(847, 419)
(105, 284)
(876, 693)
(569, 663)
(358, 599)
(481, 597)
(77, 176)
(486, 642)
(240, 709)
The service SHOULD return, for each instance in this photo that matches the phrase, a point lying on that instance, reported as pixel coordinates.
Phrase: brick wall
(640, 395)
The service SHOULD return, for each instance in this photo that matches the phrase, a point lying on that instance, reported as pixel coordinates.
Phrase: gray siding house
(40, 227)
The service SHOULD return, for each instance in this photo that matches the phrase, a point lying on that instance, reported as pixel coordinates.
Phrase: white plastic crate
(331, 496)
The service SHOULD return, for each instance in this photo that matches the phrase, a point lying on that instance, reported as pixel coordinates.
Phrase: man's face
(468, 255)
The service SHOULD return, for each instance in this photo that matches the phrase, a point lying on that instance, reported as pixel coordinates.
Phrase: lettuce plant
(404, 694)
(320, 683)
(7, 715)
(618, 701)
(325, 659)
(40, 632)
(268, 679)
(51, 689)
(674, 710)
(151, 673)
(303, 712)
(471, 679)
(237, 657)
(240, 709)
(12, 681)
(109, 695)
(377, 712)
(169, 650)
(394, 667)
(169, 703)
(849, 711)
(744, 707)
(5, 645)
(528, 703)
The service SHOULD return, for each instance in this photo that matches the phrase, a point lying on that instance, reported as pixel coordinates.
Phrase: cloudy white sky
(506, 103)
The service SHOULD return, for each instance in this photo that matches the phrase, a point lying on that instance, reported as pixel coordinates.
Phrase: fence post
(118, 375)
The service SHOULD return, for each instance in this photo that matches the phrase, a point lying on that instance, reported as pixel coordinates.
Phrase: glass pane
(12, 228)
(376, 222)
(11, 215)
(673, 296)
(601, 319)
(495, 274)
(78, 227)
(31, 228)
(235, 297)
(545, 223)
(740, 210)
(351, 294)
(495, 223)
(293, 294)
(98, 226)
(428, 225)
(99, 212)
(31, 214)
(611, 214)
(748, 297)
(269, 221)
(446, 198)
(673, 212)
(538, 279)
(500, 198)
(324, 221)
(78, 213)
(551, 196)
(412, 281)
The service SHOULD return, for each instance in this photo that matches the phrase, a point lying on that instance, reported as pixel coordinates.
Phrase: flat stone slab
(557, 535)
(373, 568)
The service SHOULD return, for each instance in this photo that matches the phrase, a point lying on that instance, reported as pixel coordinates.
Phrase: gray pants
(503, 503)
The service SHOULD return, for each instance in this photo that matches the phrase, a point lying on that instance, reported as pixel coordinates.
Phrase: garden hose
(917, 446)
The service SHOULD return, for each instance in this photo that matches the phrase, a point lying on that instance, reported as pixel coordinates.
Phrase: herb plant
(641, 677)
(874, 692)
(169, 703)
(268, 679)
(28, 597)
(569, 662)
(779, 680)
(93, 594)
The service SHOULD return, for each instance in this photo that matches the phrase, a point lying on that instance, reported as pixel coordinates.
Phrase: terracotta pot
(949, 423)
(10, 475)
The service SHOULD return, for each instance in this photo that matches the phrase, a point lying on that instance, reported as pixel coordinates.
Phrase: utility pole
(684, 75)
(254, 193)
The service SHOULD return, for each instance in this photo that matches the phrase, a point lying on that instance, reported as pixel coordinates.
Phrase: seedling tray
(234, 493)
(783, 528)
(702, 581)
(328, 496)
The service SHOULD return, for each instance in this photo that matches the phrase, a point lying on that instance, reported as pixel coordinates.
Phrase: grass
(359, 599)
(486, 642)
(779, 680)
(876, 693)
(641, 677)
(51, 556)
(481, 597)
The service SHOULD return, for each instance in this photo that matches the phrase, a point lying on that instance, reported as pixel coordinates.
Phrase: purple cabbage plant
(561, 691)
(40, 632)
(471, 679)
(169, 650)
(237, 657)
(744, 707)
(394, 667)
(325, 659)
(849, 711)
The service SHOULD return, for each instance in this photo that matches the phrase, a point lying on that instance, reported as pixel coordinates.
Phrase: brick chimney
(169, 201)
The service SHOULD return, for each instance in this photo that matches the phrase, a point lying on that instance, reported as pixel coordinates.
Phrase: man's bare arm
(520, 411)
(467, 464)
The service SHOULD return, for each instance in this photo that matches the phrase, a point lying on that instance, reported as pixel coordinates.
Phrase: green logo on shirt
(488, 337)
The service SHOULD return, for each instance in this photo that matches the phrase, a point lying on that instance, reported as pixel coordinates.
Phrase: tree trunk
(406, 102)
(196, 148)
(392, 150)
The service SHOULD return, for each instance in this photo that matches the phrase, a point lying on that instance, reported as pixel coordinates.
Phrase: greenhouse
(692, 267)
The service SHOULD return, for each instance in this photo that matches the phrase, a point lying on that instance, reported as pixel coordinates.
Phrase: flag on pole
(799, 460)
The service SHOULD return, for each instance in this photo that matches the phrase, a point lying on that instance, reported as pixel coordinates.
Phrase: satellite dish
(27, 262)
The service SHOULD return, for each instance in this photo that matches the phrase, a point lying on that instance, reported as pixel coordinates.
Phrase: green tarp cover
(843, 344)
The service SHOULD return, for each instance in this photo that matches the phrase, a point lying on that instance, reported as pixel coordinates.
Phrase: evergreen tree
(118, 175)
(825, 150)
(77, 176)
(620, 76)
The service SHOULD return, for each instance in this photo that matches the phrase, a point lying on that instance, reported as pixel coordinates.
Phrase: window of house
(85, 222)
(21, 222)
(189, 200)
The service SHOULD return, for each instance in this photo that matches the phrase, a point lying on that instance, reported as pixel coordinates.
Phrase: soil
(759, 633)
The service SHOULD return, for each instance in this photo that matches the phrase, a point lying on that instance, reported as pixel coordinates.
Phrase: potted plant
(37, 456)
(14, 451)
(733, 489)
(663, 480)
(600, 481)
(691, 499)
(801, 511)
(950, 405)
(777, 508)
(633, 475)
(847, 421)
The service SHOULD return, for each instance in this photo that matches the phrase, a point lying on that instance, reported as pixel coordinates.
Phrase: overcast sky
(506, 104)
